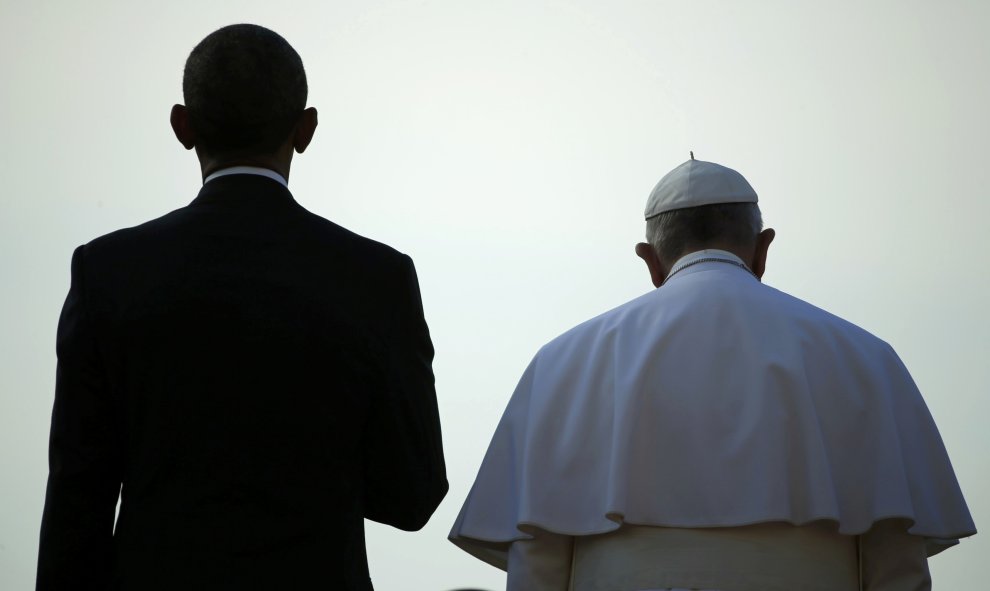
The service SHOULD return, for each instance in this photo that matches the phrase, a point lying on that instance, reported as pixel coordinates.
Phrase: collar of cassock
(708, 255)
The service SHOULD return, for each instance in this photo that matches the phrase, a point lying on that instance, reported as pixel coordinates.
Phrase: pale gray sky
(509, 148)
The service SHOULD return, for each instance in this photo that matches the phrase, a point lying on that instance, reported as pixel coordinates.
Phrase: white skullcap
(697, 183)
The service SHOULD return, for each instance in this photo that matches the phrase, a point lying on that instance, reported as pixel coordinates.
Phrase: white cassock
(715, 402)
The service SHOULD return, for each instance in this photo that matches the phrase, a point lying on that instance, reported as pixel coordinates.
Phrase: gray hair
(673, 234)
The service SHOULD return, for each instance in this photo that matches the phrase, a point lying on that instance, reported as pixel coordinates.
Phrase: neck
(278, 162)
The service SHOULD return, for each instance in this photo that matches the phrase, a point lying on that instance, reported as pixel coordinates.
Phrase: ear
(179, 119)
(305, 129)
(763, 240)
(652, 260)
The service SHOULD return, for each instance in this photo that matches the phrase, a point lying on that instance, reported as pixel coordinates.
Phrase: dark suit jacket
(254, 381)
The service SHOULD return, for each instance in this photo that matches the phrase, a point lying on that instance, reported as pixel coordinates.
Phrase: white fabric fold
(713, 401)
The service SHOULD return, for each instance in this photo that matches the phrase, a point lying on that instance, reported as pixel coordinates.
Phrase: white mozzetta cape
(712, 401)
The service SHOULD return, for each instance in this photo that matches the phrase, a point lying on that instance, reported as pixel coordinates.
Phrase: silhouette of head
(244, 88)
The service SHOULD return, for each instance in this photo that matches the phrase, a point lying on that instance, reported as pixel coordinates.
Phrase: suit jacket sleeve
(405, 476)
(76, 546)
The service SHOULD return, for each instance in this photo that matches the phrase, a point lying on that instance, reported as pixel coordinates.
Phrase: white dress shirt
(265, 172)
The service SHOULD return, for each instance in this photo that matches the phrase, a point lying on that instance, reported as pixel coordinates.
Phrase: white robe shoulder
(713, 401)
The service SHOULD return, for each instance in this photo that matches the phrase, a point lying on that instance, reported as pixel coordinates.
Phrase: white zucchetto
(697, 183)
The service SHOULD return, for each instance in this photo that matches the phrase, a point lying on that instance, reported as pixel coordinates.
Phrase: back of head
(700, 205)
(244, 87)
(726, 226)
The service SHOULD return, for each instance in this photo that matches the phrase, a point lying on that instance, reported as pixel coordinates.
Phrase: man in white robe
(714, 433)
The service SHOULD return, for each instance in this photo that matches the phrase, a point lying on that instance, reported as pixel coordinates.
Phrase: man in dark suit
(251, 379)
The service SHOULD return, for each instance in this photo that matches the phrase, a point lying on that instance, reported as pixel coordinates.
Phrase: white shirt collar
(248, 170)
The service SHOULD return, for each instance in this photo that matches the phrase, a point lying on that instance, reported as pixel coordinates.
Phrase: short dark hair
(674, 233)
(244, 88)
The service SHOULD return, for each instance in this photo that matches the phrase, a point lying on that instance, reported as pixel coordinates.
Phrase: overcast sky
(509, 148)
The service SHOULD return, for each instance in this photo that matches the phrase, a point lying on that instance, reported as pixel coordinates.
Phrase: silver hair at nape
(673, 234)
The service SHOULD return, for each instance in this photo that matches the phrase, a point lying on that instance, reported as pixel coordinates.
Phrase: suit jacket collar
(242, 189)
